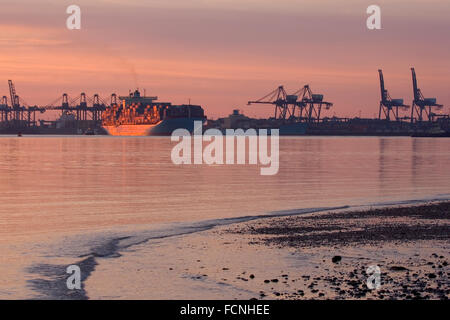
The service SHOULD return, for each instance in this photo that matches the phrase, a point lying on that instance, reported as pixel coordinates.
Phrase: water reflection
(67, 184)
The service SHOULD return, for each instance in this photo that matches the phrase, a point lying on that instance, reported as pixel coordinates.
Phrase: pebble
(336, 259)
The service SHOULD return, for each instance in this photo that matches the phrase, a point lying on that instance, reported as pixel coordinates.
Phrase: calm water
(52, 188)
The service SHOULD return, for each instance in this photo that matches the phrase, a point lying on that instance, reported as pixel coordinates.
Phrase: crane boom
(12, 92)
(415, 89)
(383, 90)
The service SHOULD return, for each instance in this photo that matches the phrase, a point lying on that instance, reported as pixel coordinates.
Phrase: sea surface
(80, 199)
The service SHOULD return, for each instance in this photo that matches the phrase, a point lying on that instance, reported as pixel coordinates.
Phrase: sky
(222, 53)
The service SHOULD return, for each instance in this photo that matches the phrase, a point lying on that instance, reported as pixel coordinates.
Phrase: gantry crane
(387, 104)
(309, 104)
(421, 104)
(79, 108)
(15, 104)
(22, 115)
(303, 105)
(13, 95)
(278, 98)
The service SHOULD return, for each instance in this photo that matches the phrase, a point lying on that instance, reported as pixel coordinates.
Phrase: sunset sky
(222, 53)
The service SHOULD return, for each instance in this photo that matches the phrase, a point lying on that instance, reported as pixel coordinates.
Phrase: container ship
(137, 115)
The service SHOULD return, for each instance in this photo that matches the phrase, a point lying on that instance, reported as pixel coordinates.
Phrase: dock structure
(305, 106)
(301, 106)
(297, 111)
(82, 107)
(17, 113)
(80, 113)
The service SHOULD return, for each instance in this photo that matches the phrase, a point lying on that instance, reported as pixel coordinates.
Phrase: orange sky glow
(220, 54)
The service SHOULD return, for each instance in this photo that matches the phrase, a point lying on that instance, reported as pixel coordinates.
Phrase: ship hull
(293, 129)
(162, 128)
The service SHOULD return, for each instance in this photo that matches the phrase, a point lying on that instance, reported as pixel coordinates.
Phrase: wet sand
(313, 256)
(409, 244)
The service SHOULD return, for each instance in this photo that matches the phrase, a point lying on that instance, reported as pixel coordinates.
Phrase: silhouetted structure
(309, 104)
(421, 104)
(18, 114)
(301, 106)
(387, 104)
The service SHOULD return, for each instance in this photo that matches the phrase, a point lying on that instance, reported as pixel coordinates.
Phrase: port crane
(309, 104)
(278, 98)
(421, 104)
(79, 106)
(19, 114)
(15, 104)
(387, 104)
(302, 105)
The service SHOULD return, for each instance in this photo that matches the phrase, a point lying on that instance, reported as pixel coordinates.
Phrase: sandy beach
(313, 256)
